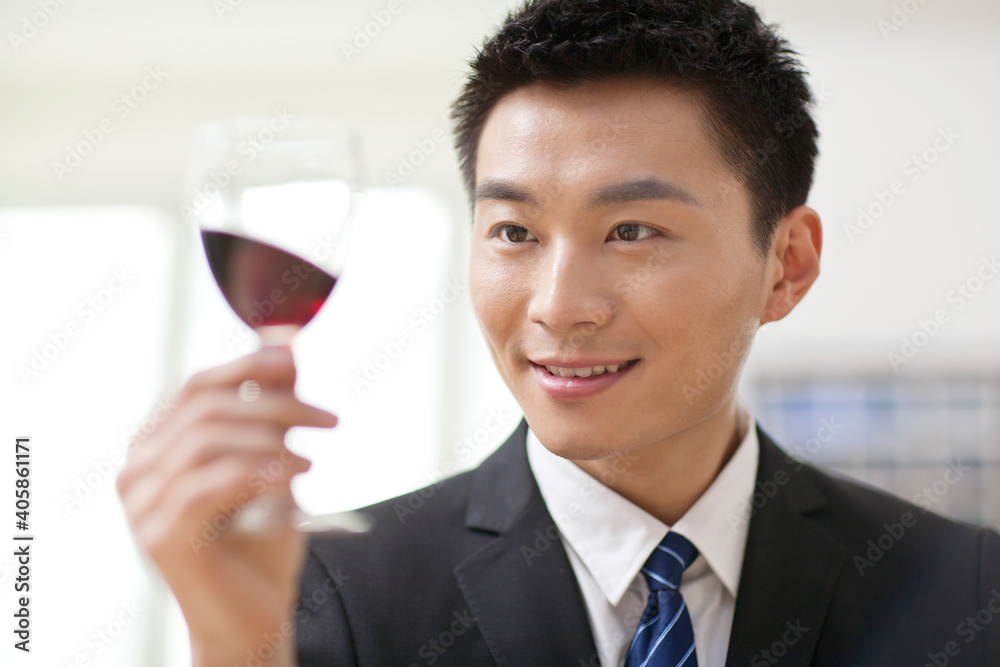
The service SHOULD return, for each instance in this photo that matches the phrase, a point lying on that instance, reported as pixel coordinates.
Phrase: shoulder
(854, 513)
(885, 578)
(858, 514)
(898, 549)
(427, 532)
(410, 530)
(386, 593)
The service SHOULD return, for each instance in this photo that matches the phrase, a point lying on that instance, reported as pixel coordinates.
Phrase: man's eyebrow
(639, 189)
(634, 190)
(504, 191)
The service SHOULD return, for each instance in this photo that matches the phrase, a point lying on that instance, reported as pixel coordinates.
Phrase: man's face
(607, 231)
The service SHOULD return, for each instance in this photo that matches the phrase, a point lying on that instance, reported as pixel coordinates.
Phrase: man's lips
(580, 362)
(593, 381)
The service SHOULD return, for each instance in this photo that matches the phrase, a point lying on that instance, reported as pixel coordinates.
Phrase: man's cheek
(498, 323)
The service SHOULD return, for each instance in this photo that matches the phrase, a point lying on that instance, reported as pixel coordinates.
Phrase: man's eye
(632, 232)
(512, 233)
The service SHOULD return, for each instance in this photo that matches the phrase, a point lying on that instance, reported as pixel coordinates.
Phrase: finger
(203, 444)
(178, 521)
(272, 409)
(220, 438)
(270, 365)
(264, 473)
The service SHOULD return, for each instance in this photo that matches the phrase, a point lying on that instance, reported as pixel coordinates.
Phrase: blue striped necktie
(665, 637)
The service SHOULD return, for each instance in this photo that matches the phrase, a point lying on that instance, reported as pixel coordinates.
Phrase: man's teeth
(585, 372)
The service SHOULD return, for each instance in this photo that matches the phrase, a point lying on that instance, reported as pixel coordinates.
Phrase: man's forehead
(617, 103)
(634, 138)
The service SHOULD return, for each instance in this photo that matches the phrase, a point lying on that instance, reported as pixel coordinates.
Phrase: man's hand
(207, 458)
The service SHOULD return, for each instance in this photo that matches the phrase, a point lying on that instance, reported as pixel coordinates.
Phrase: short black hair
(754, 89)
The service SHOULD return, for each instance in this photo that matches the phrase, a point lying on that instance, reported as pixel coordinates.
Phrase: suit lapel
(520, 586)
(523, 592)
(790, 567)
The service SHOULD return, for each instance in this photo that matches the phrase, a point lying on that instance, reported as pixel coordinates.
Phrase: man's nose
(572, 290)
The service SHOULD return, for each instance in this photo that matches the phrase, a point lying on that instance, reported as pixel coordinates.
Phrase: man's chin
(585, 448)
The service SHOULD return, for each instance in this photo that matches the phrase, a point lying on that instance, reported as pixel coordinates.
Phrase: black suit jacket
(471, 572)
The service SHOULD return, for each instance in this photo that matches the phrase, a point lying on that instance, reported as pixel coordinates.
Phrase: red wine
(263, 284)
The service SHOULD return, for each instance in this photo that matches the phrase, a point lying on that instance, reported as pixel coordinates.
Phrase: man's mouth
(588, 371)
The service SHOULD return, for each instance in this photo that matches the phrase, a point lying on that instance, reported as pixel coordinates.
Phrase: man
(638, 171)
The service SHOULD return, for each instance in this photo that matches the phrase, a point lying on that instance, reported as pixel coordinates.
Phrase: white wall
(888, 93)
(886, 99)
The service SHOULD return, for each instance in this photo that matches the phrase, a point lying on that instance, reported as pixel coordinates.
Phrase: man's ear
(792, 262)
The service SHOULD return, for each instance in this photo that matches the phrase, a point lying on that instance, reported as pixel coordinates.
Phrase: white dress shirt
(608, 538)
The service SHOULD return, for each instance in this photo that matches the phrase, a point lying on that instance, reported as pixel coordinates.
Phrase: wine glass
(273, 198)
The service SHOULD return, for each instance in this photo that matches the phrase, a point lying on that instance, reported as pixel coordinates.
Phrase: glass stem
(277, 335)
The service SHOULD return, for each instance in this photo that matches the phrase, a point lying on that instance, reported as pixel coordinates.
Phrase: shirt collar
(613, 537)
